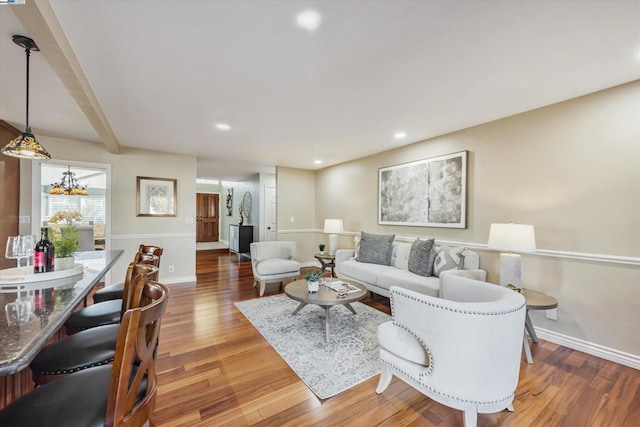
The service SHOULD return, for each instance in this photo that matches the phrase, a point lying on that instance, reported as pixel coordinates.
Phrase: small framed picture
(156, 196)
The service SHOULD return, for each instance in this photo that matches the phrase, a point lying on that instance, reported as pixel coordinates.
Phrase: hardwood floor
(215, 369)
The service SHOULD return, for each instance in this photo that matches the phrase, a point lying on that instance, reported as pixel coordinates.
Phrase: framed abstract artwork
(156, 196)
(426, 193)
(229, 201)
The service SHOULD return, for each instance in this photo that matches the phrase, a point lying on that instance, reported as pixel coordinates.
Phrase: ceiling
(164, 73)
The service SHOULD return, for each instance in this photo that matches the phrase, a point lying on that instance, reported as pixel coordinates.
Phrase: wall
(572, 170)
(251, 185)
(175, 235)
(296, 210)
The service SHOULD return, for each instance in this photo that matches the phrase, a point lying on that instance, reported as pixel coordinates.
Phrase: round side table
(535, 301)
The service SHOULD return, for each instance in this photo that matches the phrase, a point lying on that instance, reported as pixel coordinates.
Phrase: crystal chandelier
(68, 185)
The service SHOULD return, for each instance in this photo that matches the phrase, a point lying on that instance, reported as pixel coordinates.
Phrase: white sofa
(379, 278)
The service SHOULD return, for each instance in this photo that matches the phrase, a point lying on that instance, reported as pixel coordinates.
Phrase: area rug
(351, 356)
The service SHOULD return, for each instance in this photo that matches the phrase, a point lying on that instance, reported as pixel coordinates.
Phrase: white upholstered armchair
(273, 262)
(462, 350)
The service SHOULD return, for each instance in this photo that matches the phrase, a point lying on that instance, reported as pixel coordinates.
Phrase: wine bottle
(43, 253)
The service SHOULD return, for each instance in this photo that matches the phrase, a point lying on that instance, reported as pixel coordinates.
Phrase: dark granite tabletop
(49, 303)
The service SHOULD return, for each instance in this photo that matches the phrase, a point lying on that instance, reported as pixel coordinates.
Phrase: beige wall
(572, 169)
(175, 235)
(296, 200)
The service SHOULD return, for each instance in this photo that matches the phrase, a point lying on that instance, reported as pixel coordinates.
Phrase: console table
(240, 237)
(19, 344)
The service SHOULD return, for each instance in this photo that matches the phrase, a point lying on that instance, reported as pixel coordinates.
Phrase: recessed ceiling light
(309, 19)
(317, 162)
(400, 135)
(223, 126)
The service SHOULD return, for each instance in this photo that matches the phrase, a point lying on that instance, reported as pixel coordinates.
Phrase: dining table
(36, 308)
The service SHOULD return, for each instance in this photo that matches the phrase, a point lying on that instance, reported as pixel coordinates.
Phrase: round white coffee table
(325, 298)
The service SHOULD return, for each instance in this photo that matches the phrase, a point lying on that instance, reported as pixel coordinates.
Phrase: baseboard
(176, 280)
(626, 359)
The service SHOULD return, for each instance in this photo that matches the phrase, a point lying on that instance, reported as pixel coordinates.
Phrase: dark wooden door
(207, 217)
(10, 206)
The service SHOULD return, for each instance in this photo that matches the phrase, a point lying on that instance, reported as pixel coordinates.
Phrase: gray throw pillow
(432, 260)
(448, 259)
(376, 248)
(419, 257)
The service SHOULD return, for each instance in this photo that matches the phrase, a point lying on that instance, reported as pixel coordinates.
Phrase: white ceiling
(165, 72)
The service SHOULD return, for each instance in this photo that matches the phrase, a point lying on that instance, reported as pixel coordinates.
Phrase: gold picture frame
(156, 196)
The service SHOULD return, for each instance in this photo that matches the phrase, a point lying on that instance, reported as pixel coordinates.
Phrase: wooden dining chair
(89, 348)
(115, 291)
(122, 394)
(107, 312)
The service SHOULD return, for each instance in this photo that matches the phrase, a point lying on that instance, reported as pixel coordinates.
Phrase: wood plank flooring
(215, 369)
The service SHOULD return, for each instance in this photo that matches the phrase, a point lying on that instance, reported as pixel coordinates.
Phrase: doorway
(270, 214)
(207, 217)
(93, 209)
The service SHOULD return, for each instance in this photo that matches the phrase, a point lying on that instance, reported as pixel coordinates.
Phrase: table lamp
(333, 226)
(512, 238)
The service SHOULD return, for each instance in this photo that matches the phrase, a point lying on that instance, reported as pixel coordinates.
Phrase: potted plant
(321, 246)
(313, 281)
(66, 239)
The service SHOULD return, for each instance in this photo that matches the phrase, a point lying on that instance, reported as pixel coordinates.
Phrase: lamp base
(510, 269)
(333, 244)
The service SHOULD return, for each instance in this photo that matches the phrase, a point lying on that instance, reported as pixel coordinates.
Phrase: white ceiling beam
(42, 24)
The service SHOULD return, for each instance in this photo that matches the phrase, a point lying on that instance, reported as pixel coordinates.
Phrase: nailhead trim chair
(462, 350)
(122, 394)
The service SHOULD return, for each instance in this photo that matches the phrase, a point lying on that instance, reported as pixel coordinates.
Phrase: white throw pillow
(448, 259)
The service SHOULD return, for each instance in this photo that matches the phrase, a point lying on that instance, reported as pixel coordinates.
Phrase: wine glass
(13, 248)
(27, 246)
(19, 247)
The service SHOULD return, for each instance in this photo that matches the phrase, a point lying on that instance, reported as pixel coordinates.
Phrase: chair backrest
(143, 258)
(133, 384)
(272, 249)
(473, 335)
(128, 292)
(151, 250)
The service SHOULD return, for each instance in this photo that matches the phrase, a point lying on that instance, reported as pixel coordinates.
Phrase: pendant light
(25, 145)
(68, 185)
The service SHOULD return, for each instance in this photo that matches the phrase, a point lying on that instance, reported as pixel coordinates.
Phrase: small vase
(64, 263)
(313, 286)
(240, 220)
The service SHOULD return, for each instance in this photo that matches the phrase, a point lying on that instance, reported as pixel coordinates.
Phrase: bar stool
(88, 348)
(115, 291)
(122, 394)
(103, 313)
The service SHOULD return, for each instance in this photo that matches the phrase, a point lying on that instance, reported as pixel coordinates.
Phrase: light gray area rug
(351, 356)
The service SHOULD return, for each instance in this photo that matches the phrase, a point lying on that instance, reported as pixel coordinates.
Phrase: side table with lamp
(519, 238)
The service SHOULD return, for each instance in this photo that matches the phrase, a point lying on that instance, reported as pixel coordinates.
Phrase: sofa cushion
(448, 259)
(402, 343)
(277, 266)
(375, 248)
(405, 279)
(419, 257)
(363, 272)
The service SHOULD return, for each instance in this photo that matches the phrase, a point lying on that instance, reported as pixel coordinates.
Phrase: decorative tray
(24, 275)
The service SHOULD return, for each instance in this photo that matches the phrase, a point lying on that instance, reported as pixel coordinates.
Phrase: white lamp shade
(333, 226)
(512, 237)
